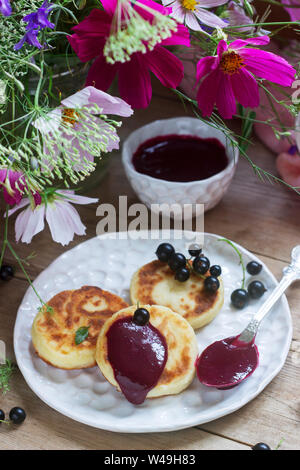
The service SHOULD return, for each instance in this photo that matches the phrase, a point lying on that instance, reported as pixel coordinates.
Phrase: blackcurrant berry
(261, 446)
(17, 415)
(201, 264)
(195, 249)
(6, 272)
(164, 251)
(211, 284)
(182, 274)
(176, 261)
(2, 416)
(254, 268)
(239, 298)
(215, 270)
(256, 289)
(141, 316)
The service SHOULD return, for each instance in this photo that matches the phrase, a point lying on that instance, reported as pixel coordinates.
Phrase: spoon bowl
(225, 364)
(228, 362)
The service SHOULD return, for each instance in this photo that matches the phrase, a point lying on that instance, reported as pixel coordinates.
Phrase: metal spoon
(290, 274)
(226, 363)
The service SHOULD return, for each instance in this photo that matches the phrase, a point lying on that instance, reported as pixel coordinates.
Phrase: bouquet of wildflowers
(49, 143)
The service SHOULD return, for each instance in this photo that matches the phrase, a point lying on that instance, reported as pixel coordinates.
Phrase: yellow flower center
(231, 62)
(69, 116)
(189, 4)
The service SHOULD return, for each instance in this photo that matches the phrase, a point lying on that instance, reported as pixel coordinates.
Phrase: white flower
(63, 220)
(75, 130)
(193, 13)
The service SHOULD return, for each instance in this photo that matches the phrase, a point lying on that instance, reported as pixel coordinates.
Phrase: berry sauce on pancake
(138, 355)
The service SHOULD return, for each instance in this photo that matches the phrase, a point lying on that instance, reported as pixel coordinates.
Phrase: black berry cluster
(16, 415)
(182, 267)
(240, 297)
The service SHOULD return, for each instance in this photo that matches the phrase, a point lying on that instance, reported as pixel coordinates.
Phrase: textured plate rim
(196, 420)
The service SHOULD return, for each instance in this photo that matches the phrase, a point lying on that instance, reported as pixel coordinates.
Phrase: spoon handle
(290, 274)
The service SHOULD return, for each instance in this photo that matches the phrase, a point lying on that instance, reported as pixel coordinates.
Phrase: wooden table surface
(263, 218)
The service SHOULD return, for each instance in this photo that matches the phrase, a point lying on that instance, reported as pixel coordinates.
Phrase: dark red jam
(180, 158)
(226, 363)
(138, 355)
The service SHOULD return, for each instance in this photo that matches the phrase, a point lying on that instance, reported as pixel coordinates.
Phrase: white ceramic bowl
(156, 191)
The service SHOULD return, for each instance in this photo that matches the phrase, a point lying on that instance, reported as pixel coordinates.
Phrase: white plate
(86, 396)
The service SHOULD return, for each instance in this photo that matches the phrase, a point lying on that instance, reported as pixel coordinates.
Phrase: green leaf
(81, 334)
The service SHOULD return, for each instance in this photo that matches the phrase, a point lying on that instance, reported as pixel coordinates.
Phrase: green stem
(39, 85)
(264, 24)
(24, 272)
(13, 108)
(240, 257)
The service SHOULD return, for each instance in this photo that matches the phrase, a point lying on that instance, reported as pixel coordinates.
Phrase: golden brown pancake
(53, 334)
(154, 283)
(182, 345)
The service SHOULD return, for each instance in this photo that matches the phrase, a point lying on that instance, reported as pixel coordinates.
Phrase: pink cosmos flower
(237, 17)
(294, 12)
(14, 184)
(273, 115)
(134, 79)
(192, 12)
(62, 218)
(230, 76)
(78, 111)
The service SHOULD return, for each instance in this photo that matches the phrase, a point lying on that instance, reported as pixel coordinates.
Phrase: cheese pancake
(182, 345)
(53, 334)
(154, 284)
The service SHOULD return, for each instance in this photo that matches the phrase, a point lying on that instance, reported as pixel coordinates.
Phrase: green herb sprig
(6, 371)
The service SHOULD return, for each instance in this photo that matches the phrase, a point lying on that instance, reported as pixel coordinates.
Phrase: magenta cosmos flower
(63, 220)
(194, 12)
(14, 184)
(230, 75)
(134, 78)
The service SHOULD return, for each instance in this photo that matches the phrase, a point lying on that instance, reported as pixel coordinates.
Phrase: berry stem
(279, 444)
(240, 257)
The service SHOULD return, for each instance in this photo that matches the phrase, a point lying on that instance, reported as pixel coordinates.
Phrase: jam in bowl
(179, 161)
(180, 158)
